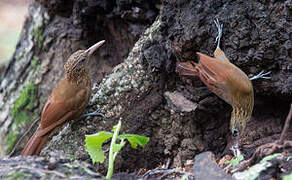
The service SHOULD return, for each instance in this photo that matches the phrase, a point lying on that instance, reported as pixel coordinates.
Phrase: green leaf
(135, 139)
(93, 144)
(287, 177)
(118, 147)
(240, 158)
(114, 128)
(235, 161)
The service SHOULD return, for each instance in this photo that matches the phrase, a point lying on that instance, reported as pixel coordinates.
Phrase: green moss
(38, 68)
(73, 165)
(24, 103)
(71, 156)
(19, 58)
(10, 140)
(34, 62)
(66, 171)
(38, 34)
(17, 175)
(272, 156)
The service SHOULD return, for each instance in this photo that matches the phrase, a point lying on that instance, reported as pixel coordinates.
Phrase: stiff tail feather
(186, 68)
(34, 145)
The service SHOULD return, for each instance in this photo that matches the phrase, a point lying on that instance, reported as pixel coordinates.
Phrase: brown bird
(67, 101)
(227, 81)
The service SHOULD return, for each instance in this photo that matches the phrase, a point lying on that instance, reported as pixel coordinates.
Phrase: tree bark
(143, 90)
(49, 36)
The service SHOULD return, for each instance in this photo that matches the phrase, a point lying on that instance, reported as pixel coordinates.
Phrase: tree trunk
(50, 35)
(143, 90)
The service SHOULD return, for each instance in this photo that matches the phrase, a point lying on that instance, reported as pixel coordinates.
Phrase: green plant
(287, 177)
(235, 160)
(93, 144)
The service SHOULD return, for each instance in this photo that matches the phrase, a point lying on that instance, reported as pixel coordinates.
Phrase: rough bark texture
(56, 166)
(49, 36)
(139, 90)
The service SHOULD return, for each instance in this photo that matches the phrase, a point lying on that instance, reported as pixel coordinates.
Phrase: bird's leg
(235, 149)
(236, 153)
(218, 53)
(95, 113)
(219, 27)
(261, 75)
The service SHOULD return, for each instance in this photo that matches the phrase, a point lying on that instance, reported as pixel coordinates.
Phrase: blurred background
(12, 16)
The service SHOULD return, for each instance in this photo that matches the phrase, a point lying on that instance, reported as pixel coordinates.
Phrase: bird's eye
(82, 60)
(235, 132)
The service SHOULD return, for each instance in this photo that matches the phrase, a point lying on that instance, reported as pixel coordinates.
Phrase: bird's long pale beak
(93, 48)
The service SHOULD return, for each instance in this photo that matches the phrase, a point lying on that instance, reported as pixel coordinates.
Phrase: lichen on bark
(20, 88)
(129, 82)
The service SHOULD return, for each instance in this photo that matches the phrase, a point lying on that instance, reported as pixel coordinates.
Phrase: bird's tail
(35, 144)
(186, 68)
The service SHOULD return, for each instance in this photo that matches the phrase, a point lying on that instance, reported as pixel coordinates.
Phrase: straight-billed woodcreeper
(67, 101)
(227, 81)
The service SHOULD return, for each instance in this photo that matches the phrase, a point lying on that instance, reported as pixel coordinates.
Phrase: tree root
(269, 148)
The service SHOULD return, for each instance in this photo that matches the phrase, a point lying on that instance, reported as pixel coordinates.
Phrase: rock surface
(55, 166)
(205, 167)
(274, 166)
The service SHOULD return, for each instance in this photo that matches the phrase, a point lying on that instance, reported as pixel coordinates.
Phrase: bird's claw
(261, 75)
(95, 113)
(236, 153)
(219, 28)
(235, 150)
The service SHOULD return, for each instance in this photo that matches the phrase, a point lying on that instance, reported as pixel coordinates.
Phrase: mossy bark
(21, 80)
(48, 38)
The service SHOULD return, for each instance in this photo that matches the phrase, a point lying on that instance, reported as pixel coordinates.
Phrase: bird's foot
(238, 161)
(219, 28)
(235, 150)
(95, 113)
(261, 75)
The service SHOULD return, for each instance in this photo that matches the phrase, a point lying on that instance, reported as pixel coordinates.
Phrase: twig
(270, 148)
(21, 138)
(166, 166)
(286, 126)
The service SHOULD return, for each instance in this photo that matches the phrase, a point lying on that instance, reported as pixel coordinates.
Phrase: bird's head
(78, 61)
(241, 114)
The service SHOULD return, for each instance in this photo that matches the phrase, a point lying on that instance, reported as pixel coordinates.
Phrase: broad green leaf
(93, 144)
(135, 139)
